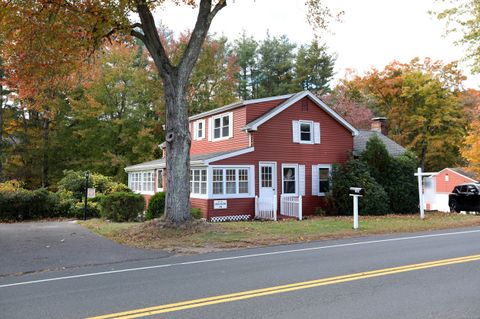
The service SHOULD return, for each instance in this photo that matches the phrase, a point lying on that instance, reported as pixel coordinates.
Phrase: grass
(204, 237)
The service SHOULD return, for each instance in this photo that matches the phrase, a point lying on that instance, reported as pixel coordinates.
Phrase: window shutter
(296, 131)
(203, 129)
(301, 180)
(316, 130)
(314, 180)
(230, 124)
(210, 128)
(194, 135)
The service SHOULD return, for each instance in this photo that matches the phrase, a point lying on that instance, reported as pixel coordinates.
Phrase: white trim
(297, 98)
(136, 168)
(317, 167)
(311, 123)
(230, 126)
(237, 105)
(228, 155)
(251, 182)
(288, 165)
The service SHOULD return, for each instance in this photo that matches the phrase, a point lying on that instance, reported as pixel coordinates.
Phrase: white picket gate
(291, 206)
(265, 208)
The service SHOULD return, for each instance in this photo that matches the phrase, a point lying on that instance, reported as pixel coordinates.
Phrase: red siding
(256, 110)
(238, 141)
(200, 203)
(454, 179)
(274, 142)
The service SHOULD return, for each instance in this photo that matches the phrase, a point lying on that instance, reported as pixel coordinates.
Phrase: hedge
(121, 206)
(24, 204)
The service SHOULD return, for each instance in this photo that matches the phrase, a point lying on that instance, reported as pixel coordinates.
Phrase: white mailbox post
(356, 192)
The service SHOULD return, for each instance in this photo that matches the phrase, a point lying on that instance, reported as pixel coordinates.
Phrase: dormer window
(221, 126)
(199, 129)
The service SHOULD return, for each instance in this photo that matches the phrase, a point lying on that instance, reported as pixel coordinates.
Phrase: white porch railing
(291, 206)
(265, 208)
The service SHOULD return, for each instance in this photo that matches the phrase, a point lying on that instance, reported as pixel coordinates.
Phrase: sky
(372, 32)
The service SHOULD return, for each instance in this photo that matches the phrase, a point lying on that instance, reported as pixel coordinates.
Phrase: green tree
(276, 66)
(246, 50)
(377, 159)
(314, 68)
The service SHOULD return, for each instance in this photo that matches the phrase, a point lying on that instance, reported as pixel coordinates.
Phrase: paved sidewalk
(41, 246)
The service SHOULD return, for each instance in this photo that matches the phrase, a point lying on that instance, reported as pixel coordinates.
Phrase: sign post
(87, 174)
(356, 192)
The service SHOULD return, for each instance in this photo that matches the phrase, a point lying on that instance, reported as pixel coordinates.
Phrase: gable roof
(238, 104)
(360, 143)
(198, 159)
(253, 126)
(461, 172)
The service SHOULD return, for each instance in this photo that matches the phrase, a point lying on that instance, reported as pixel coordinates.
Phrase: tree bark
(175, 80)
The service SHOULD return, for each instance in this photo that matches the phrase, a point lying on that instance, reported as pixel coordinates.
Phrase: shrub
(121, 206)
(156, 206)
(355, 174)
(196, 213)
(24, 204)
(11, 186)
(78, 210)
(74, 181)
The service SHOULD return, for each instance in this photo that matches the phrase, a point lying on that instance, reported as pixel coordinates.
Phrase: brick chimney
(379, 124)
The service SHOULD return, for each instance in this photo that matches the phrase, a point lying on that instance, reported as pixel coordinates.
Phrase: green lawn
(204, 237)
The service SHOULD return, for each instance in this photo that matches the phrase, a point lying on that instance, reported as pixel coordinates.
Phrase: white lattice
(231, 218)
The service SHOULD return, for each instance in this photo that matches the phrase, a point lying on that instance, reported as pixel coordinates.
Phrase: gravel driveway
(41, 246)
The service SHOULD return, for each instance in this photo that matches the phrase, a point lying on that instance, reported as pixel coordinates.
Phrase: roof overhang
(253, 126)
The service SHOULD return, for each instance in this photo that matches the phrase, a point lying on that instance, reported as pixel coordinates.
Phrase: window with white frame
(160, 180)
(321, 179)
(230, 181)
(142, 182)
(199, 129)
(198, 181)
(222, 126)
(289, 179)
(306, 132)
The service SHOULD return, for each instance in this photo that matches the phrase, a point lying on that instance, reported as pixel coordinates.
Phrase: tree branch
(199, 33)
(151, 39)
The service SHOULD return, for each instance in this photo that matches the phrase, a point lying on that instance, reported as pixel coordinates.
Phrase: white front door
(267, 183)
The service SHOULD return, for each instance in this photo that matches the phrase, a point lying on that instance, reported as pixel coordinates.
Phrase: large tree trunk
(175, 80)
(177, 202)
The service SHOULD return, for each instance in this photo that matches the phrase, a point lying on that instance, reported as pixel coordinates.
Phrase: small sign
(220, 204)
(91, 193)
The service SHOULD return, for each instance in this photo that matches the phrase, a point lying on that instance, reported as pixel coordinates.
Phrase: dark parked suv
(465, 197)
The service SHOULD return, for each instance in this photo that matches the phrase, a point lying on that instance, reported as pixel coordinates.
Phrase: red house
(259, 158)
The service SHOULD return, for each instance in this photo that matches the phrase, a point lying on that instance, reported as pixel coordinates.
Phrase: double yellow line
(281, 289)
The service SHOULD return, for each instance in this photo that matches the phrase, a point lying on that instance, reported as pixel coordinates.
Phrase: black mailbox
(356, 191)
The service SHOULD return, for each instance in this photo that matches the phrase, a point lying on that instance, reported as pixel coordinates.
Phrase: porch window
(160, 180)
(230, 181)
(142, 182)
(198, 181)
(289, 179)
(218, 181)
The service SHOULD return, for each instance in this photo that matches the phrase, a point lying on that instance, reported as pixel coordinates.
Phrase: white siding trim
(232, 154)
(316, 133)
(301, 180)
(296, 131)
(314, 180)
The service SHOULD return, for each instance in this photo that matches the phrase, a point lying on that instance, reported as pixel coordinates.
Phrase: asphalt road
(447, 289)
